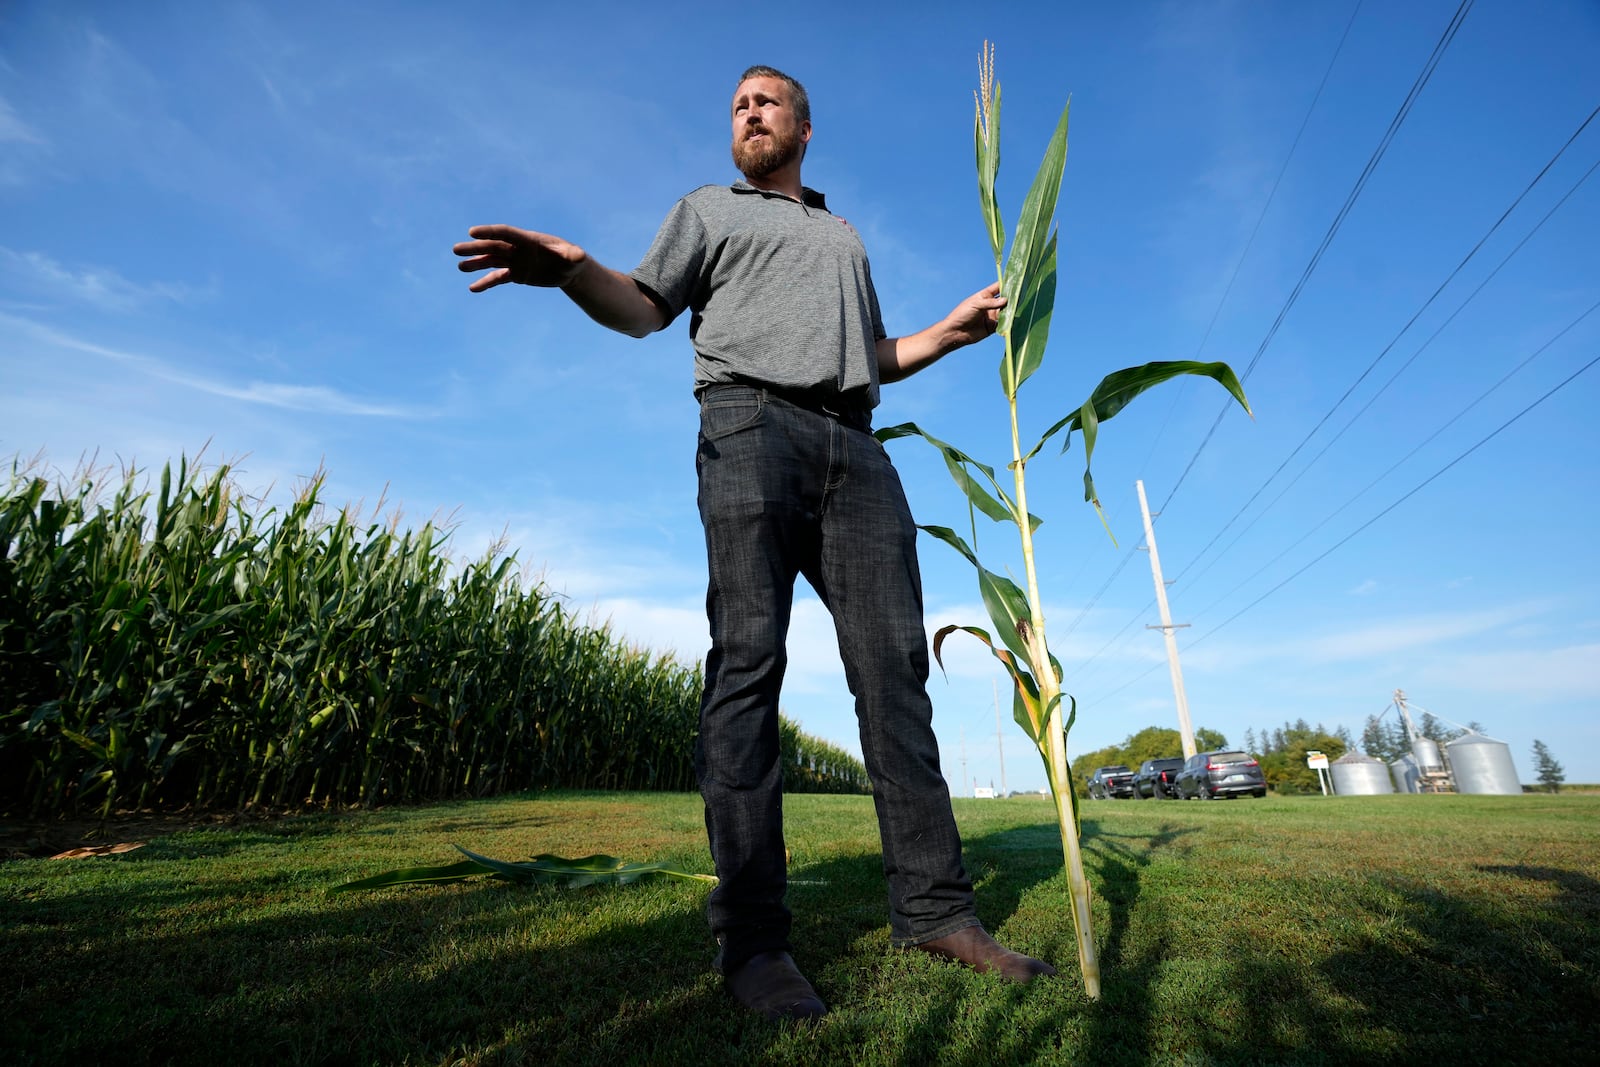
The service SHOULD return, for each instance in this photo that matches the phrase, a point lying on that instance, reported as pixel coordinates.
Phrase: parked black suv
(1107, 782)
(1156, 778)
(1226, 773)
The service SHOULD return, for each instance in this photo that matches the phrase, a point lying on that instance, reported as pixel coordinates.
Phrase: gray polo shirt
(780, 291)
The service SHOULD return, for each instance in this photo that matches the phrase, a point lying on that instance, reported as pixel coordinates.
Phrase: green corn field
(191, 647)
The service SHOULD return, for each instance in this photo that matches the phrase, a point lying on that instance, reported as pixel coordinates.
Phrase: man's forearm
(971, 321)
(613, 299)
(901, 357)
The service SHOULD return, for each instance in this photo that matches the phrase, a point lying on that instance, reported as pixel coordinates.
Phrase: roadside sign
(1317, 760)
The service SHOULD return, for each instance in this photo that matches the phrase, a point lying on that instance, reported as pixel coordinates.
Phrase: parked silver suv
(1225, 773)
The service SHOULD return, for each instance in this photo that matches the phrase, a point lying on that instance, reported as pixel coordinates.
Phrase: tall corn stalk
(1027, 277)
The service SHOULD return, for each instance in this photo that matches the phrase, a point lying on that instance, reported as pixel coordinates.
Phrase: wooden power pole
(1184, 729)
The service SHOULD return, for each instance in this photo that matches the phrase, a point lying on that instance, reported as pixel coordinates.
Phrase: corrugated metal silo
(1483, 765)
(1358, 775)
(1405, 774)
(1425, 751)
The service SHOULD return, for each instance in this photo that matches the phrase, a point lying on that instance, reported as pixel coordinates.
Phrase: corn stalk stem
(1053, 742)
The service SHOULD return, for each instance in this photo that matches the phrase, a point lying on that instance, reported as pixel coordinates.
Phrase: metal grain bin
(1425, 751)
(1483, 765)
(1405, 774)
(1358, 775)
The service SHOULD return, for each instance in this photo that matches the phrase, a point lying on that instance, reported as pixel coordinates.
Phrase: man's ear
(805, 132)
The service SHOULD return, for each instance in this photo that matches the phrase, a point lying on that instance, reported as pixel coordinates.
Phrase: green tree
(1285, 765)
(1085, 763)
(1546, 768)
(1153, 742)
(1384, 741)
(1433, 729)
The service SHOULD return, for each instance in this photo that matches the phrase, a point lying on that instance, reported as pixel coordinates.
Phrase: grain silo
(1425, 750)
(1405, 774)
(1358, 775)
(1483, 765)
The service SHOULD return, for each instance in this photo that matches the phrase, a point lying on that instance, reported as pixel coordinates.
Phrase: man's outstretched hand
(977, 316)
(522, 256)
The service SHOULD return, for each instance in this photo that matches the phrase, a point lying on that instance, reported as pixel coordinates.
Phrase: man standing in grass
(790, 351)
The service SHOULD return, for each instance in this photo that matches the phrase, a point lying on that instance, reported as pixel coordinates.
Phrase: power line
(1434, 336)
(1457, 417)
(1338, 220)
(1239, 263)
(1262, 217)
(1413, 492)
(1355, 192)
(1497, 431)
(1403, 331)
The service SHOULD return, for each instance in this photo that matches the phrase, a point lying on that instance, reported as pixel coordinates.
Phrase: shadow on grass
(1412, 974)
(144, 969)
(134, 964)
(1120, 1029)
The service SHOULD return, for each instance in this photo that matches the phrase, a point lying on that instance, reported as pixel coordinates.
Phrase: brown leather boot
(771, 985)
(973, 946)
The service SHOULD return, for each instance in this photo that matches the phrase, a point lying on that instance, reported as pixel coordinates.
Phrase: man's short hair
(797, 92)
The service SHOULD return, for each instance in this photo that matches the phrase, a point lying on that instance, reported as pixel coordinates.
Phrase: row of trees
(1282, 753)
(1153, 742)
(1282, 750)
(185, 647)
(1387, 741)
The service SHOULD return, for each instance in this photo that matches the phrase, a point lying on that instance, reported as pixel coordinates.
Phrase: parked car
(1156, 778)
(1223, 773)
(1108, 782)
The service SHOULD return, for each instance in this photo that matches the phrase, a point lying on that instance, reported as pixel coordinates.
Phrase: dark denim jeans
(787, 491)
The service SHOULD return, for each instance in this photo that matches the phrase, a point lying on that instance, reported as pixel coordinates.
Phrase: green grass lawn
(1285, 930)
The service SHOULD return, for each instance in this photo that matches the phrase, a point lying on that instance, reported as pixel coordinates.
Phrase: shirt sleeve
(878, 332)
(671, 271)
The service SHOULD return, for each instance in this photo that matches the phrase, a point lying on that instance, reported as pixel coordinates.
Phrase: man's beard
(760, 159)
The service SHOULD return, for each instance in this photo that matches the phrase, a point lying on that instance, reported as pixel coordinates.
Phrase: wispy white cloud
(13, 130)
(1366, 587)
(294, 397)
(1366, 640)
(1570, 671)
(676, 628)
(96, 286)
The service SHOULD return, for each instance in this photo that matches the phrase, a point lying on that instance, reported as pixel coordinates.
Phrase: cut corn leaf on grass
(598, 869)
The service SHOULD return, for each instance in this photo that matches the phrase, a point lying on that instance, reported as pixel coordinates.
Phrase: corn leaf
(1025, 696)
(1038, 211)
(1030, 327)
(573, 873)
(1005, 601)
(957, 461)
(450, 872)
(1118, 389)
(585, 870)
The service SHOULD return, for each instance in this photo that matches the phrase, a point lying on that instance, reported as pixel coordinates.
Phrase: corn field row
(191, 648)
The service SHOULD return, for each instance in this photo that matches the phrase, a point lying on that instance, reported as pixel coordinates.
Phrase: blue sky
(231, 223)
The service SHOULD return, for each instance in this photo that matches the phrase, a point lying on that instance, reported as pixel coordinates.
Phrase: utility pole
(966, 786)
(1184, 729)
(999, 738)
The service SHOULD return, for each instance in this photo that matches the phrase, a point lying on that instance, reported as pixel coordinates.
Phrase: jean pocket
(727, 411)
